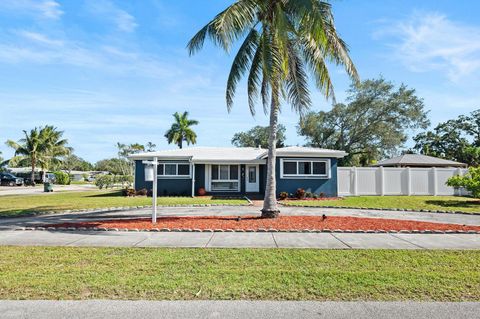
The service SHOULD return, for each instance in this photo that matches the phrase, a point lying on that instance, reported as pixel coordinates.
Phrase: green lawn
(274, 274)
(444, 203)
(17, 205)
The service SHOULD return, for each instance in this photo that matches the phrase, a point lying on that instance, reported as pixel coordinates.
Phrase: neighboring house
(239, 171)
(418, 160)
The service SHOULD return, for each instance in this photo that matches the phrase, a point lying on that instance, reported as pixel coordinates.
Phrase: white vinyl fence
(354, 181)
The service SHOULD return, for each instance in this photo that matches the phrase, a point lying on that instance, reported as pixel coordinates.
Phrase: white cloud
(49, 9)
(123, 20)
(39, 38)
(431, 41)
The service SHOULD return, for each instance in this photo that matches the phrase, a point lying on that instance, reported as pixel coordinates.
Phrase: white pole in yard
(154, 190)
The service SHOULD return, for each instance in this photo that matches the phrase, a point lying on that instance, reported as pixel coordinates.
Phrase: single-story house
(239, 170)
(418, 160)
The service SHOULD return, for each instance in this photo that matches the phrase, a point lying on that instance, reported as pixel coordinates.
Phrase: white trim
(163, 176)
(305, 176)
(238, 180)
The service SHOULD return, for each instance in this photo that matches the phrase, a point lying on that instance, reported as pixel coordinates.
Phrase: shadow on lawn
(474, 203)
(116, 193)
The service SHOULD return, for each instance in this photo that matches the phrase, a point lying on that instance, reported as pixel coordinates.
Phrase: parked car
(10, 179)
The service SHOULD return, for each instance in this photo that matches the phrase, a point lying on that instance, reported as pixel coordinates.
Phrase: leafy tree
(74, 163)
(41, 147)
(181, 130)
(457, 139)
(470, 181)
(283, 41)
(373, 124)
(258, 136)
(116, 166)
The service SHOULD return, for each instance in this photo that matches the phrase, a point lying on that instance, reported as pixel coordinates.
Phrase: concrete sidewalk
(240, 240)
(99, 309)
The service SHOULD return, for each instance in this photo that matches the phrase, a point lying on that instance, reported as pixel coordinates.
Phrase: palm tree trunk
(270, 209)
(180, 143)
(32, 174)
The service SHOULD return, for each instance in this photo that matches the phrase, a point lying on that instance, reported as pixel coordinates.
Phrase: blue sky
(114, 71)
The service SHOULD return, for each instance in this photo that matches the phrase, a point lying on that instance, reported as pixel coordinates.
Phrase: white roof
(419, 160)
(309, 152)
(234, 154)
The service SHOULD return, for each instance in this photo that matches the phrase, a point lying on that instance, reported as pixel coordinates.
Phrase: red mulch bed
(280, 223)
(311, 199)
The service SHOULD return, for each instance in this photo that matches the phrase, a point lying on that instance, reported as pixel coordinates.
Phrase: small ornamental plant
(470, 181)
(300, 193)
(283, 196)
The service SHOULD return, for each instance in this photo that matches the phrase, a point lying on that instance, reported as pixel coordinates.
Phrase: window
(291, 168)
(173, 170)
(225, 178)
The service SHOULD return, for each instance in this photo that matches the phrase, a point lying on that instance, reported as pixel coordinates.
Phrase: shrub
(321, 195)
(62, 178)
(300, 193)
(142, 192)
(308, 195)
(283, 195)
(315, 196)
(202, 191)
(470, 181)
(104, 181)
(130, 192)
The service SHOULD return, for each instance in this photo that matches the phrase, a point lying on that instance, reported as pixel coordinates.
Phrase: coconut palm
(283, 41)
(41, 147)
(181, 131)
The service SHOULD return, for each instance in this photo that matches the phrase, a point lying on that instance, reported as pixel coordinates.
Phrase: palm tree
(181, 131)
(283, 40)
(41, 147)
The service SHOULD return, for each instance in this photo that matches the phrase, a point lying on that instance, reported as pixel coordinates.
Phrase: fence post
(409, 182)
(435, 181)
(382, 181)
(355, 181)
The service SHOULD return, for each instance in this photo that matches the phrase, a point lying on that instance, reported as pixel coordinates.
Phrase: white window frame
(176, 169)
(305, 176)
(238, 180)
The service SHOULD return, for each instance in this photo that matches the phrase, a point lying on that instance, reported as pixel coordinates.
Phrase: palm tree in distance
(283, 41)
(41, 147)
(181, 130)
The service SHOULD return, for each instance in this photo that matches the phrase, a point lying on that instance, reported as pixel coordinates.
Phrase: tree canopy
(258, 136)
(457, 139)
(374, 124)
(41, 147)
(181, 130)
(74, 163)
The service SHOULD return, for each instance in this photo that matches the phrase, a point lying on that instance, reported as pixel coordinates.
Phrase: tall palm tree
(283, 41)
(181, 131)
(41, 147)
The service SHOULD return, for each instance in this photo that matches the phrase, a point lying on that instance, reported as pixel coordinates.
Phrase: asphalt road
(235, 309)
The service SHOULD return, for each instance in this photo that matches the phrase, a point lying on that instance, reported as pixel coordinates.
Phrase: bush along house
(241, 171)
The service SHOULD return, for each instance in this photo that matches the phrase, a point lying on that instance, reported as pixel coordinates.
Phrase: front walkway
(240, 240)
(236, 309)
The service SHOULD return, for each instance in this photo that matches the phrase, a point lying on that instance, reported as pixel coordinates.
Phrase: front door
(252, 184)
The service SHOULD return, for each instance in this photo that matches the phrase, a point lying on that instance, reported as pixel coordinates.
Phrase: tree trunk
(180, 143)
(270, 209)
(32, 174)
